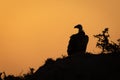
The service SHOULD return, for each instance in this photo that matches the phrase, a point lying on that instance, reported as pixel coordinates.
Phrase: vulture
(78, 42)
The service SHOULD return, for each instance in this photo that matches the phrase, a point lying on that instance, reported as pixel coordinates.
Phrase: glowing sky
(33, 30)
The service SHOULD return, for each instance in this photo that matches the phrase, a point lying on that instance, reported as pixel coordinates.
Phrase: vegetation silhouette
(105, 44)
(26, 76)
(79, 65)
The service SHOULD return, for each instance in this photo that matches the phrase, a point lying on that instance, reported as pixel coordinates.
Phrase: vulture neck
(79, 30)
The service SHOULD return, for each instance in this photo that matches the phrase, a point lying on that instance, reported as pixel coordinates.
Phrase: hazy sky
(33, 30)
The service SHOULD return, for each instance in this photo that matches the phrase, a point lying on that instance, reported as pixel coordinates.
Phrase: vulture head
(79, 26)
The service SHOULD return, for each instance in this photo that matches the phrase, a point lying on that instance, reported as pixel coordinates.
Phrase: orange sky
(33, 30)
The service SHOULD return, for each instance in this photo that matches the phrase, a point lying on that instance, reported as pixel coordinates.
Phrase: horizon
(32, 31)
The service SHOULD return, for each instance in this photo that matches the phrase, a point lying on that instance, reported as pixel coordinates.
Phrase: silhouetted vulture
(78, 42)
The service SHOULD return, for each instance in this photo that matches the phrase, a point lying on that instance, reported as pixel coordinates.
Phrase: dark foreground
(81, 67)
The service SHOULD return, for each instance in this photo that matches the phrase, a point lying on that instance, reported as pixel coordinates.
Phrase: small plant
(104, 43)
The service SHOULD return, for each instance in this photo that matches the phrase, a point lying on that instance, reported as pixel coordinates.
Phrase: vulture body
(78, 42)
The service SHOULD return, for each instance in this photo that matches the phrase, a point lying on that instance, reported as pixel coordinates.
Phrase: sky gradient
(33, 30)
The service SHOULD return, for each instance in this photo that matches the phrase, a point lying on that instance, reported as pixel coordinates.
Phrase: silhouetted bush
(105, 44)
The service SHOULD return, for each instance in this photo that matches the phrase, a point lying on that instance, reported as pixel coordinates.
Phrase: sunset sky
(33, 30)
